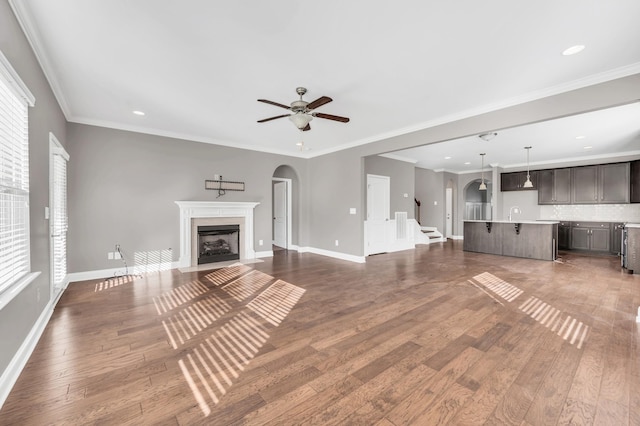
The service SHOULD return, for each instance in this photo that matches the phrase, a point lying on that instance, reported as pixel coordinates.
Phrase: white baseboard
(113, 272)
(334, 254)
(266, 253)
(457, 237)
(19, 360)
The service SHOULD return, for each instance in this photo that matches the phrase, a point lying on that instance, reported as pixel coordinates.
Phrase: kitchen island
(529, 239)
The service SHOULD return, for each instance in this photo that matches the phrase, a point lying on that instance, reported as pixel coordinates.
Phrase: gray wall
(123, 187)
(403, 181)
(430, 192)
(17, 318)
(336, 183)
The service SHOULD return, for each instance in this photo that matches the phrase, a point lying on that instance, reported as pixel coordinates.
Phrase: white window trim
(20, 89)
(15, 82)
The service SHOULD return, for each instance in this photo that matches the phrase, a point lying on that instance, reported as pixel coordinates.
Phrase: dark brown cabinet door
(562, 186)
(580, 238)
(613, 183)
(564, 237)
(594, 236)
(554, 186)
(600, 239)
(634, 181)
(585, 185)
(545, 187)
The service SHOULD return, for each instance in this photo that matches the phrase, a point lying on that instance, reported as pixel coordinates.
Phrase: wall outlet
(260, 242)
(352, 210)
(405, 195)
(337, 243)
(116, 255)
(110, 255)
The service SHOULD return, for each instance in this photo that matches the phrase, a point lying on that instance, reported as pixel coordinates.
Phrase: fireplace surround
(213, 213)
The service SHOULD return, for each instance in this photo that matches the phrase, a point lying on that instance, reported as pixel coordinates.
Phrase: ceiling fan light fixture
(300, 119)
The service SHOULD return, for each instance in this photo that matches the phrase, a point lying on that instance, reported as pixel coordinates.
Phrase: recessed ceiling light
(573, 50)
(447, 158)
(580, 137)
(136, 112)
(467, 163)
(587, 147)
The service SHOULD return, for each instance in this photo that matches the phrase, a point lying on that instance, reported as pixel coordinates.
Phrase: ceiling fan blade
(319, 102)
(274, 103)
(273, 118)
(331, 117)
(307, 127)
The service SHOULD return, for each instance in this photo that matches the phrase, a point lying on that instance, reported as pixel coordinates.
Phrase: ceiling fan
(303, 111)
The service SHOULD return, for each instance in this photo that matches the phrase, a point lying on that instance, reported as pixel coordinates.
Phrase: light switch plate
(352, 210)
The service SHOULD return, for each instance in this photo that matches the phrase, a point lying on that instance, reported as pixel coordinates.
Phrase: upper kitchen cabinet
(601, 184)
(554, 186)
(514, 181)
(635, 181)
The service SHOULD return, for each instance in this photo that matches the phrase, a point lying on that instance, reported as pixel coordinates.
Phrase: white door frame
(288, 208)
(377, 225)
(55, 148)
(448, 211)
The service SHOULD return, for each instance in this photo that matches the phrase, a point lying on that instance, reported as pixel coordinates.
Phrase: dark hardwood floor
(424, 337)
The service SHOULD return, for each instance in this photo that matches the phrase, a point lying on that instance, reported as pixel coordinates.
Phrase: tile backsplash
(592, 212)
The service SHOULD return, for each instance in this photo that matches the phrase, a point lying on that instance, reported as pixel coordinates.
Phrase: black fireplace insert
(218, 243)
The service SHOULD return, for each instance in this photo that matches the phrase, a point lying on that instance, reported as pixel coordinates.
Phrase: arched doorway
(477, 202)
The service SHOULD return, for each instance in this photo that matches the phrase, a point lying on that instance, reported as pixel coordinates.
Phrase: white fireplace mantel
(215, 209)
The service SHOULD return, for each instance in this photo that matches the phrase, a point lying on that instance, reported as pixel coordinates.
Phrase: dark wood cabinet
(593, 236)
(616, 237)
(514, 181)
(613, 183)
(564, 235)
(585, 185)
(634, 181)
(601, 184)
(554, 186)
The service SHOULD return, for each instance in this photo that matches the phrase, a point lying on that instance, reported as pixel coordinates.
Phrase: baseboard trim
(266, 253)
(19, 360)
(115, 272)
(457, 237)
(334, 254)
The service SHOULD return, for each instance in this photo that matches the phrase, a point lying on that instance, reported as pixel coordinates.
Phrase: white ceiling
(607, 134)
(197, 67)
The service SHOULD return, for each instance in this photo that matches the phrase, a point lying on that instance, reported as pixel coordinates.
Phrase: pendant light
(482, 186)
(528, 183)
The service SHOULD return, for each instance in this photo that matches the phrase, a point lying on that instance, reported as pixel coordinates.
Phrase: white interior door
(280, 214)
(449, 213)
(378, 212)
(58, 222)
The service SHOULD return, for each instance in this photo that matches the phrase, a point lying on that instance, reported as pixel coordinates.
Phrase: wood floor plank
(401, 339)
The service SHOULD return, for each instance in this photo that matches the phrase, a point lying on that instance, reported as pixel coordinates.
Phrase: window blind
(14, 186)
(59, 215)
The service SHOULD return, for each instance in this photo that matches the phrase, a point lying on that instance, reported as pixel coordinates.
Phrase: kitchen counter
(529, 239)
